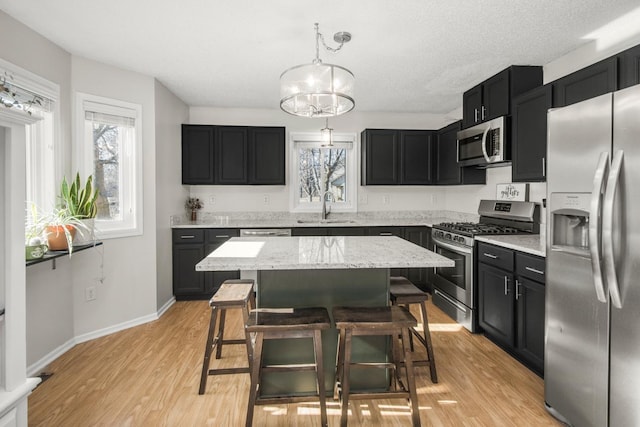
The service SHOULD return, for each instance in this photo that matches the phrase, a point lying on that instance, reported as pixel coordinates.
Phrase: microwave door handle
(594, 225)
(607, 228)
(484, 144)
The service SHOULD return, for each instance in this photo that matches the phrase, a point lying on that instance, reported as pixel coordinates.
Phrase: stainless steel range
(454, 290)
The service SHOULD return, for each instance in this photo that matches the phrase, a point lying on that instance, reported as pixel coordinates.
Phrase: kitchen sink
(326, 221)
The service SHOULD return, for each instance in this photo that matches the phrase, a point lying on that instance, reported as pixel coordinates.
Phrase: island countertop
(320, 252)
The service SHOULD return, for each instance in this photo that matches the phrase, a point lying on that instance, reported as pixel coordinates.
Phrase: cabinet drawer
(188, 235)
(530, 266)
(493, 255)
(221, 234)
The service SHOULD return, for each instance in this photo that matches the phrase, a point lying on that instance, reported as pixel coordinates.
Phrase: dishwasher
(260, 232)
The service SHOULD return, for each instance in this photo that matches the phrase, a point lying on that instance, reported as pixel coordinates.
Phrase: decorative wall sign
(513, 191)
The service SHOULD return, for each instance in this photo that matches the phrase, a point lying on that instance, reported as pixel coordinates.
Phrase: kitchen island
(321, 271)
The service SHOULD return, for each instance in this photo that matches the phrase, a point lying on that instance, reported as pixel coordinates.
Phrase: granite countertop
(534, 244)
(293, 220)
(320, 252)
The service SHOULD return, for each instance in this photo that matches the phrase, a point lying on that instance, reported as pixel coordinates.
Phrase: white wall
(171, 112)
(251, 198)
(128, 273)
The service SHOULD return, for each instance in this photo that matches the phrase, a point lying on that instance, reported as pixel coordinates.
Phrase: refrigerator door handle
(607, 229)
(594, 225)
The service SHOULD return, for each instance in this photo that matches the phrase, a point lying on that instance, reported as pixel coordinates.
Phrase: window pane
(335, 172)
(309, 175)
(313, 178)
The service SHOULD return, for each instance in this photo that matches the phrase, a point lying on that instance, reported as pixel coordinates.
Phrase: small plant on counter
(194, 205)
(61, 227)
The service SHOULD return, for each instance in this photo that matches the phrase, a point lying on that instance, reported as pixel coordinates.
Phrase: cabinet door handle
(544, 167)
(386, 234)
(187, 236)
(475, 115)
(221, 236)
(490, 256)
(484, 110)
(534, 270)
(506, 285)
(517, 289)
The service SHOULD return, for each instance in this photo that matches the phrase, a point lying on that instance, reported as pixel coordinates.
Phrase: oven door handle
(453, 248)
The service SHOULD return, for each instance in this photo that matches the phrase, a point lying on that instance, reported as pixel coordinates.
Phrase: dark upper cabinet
(233, 155)
(397, 157)
(492, 98)
(529, 134)
(379, 157)
(629, 67)
(416, 157)
(198, 154)
(266, 156)
(447, 171)
(589, 82)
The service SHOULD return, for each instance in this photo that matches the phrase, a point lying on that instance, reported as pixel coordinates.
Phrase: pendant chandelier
(326, 134)
(318, 89)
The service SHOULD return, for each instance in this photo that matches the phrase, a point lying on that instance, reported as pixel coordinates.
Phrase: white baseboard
(37, 367)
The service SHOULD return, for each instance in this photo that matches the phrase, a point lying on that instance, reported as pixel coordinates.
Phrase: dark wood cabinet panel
(530, 310)
(347, 231)
(233, 155)
(492, 98)
(309, 231)
(416, 157)
(231, 165)
(266, 155)
(379, 157)
(529, 134)
(190, 246)
(447, 171)
(629, 67)
(198, 153)
(496, 309)
(589, 82)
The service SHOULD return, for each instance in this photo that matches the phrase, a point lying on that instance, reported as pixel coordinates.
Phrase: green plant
(79, 200)
(34, 227)
(61, 220)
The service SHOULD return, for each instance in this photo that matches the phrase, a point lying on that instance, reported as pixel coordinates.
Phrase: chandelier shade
(318, 89)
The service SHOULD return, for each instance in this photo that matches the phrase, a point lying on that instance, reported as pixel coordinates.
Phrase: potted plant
(194, 205)
(61, 227)
(80, 202)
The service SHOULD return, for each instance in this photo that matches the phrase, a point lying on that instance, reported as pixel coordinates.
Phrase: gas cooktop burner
(475, 228)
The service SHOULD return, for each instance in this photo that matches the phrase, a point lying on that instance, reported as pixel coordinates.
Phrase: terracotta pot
(56, 237)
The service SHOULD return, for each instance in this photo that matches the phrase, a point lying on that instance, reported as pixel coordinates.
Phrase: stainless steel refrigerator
(592, 341)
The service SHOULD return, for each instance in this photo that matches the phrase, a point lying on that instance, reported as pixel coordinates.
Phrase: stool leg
(317, 344)
(427, 340)
(346, 367)
(408, 307)
(255, 377)
(223, 312)
(340, 360)
(207, 351)
(411, 381)
(247, 336)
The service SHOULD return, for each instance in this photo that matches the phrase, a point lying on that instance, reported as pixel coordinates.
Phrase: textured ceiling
(407, 55)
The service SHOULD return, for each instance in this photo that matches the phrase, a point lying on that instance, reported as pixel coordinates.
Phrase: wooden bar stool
(232, 294)
(404, 292)
(287, 323)
(362, 321)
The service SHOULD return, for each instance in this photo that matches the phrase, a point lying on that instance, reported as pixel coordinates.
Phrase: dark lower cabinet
(190, 246)
(529, 135)
(511, 302)
(586, 83)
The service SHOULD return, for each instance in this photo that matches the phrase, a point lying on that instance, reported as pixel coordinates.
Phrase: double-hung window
(109, 136)
(319, 170)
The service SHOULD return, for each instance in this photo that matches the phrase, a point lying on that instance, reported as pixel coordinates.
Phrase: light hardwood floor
(149, 376)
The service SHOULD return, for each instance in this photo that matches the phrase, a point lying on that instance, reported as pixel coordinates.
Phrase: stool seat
(281, 323)
(403, 292)
(233, 293)
(365, 321)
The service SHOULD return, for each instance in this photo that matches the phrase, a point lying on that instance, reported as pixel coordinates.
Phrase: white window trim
(84, 162)
(350, 205)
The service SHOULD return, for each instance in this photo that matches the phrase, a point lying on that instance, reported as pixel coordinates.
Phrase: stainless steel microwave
(483, 144)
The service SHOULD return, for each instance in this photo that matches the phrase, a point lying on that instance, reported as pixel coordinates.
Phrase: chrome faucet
(325, 213)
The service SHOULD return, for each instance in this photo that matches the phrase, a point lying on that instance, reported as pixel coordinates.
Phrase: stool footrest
(379, 395)
(225, 371)
(383, 365)
(237, 341)
(285, 399)
(293, 367)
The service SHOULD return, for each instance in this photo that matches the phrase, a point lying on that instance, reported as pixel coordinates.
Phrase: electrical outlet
(90, 293)
(265, 199)
(434, 199)
(212, 199)
(385, 199)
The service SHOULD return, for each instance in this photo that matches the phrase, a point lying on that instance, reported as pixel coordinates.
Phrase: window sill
(52, 255)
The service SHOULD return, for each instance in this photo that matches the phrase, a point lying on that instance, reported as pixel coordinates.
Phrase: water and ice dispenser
(570, 222)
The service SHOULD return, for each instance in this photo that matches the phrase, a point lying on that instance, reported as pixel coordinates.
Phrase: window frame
(132, 222)
(314, 140)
